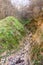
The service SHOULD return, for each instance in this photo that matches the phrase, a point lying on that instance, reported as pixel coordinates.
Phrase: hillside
(28, 35)
(21, 32)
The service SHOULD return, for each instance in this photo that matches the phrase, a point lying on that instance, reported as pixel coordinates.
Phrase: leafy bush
(11, 31)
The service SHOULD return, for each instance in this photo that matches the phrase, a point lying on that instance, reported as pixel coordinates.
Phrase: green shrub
(11, 31)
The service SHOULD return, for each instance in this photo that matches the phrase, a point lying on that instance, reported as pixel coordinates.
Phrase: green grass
(11, 31)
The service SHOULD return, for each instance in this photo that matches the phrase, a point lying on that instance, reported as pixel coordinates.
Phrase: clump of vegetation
(11, 31)
(31, 25)
(25, 21)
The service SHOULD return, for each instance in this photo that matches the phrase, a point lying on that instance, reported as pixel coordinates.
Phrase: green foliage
(25, 21)
(11, 31)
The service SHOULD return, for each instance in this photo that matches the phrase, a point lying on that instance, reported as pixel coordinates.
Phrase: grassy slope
(11, 31)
